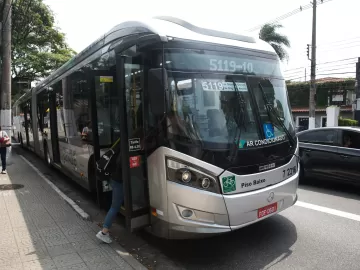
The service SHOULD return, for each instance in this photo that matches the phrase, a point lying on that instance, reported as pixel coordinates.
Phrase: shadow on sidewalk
(254, 247)
(41, 231)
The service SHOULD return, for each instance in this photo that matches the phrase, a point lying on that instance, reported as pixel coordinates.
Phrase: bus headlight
(186, 176)
(189, 175)
(205, 182)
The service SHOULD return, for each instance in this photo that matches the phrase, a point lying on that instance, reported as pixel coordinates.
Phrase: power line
(344, 66)
(326, 74)
(340, 60)
(287, 15)
(341, 48)
(340, 41)
(300, 69)
(325, 70)
(341, 70)
(331, 45)
(302, 77)
(322, 74)
(333, 69)
(332, 48)
(293, 69)
(295, 72)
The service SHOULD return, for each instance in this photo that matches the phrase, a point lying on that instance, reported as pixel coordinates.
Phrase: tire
(302, 177)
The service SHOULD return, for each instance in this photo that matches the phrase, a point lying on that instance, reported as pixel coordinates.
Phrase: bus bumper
(211, 214)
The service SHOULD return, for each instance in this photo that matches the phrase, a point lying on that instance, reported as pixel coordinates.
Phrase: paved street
(299, 238)
(39, 230)
(321, 232)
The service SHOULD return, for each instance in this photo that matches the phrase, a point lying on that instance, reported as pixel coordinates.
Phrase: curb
(120, 251)
(77, 208)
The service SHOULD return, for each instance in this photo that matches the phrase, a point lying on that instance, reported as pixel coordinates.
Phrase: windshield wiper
(270, 110)
(240, 119)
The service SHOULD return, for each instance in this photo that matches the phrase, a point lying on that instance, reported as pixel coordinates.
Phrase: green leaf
(38, 46)
(277, 41)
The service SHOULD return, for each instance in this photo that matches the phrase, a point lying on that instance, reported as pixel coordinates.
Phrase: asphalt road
(321, 232)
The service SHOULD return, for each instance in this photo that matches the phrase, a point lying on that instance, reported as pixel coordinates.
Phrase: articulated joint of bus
(191, 198)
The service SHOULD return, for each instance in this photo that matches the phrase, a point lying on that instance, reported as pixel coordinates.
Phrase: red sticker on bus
(134, 161)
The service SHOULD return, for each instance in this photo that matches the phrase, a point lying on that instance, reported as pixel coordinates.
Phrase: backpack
(107, 163)
(4, 141)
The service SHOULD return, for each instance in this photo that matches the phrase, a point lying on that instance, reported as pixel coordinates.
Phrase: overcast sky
(338, 37)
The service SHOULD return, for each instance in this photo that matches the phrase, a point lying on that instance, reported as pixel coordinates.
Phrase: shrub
(347, 122)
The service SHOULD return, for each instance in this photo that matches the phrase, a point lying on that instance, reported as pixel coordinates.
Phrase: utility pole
(5, 104)
(312, 97)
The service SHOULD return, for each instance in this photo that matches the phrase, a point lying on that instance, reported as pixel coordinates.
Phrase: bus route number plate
(267, 210)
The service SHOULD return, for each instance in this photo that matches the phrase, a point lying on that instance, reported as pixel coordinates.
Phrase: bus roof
(166, 28)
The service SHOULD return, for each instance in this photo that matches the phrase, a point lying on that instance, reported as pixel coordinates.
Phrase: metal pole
(312, 96)
(5, 118)
(305, 74)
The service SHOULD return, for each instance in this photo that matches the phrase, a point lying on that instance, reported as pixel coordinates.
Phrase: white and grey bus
(206, 129)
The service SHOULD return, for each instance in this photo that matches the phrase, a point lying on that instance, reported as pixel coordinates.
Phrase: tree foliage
(347, 122)
(38, 47)
(268, 33)
(299, 92)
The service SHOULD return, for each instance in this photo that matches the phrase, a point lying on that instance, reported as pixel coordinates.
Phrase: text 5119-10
(230, 66)
(289, 172)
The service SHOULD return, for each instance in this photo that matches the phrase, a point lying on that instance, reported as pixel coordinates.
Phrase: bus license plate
(267, 210)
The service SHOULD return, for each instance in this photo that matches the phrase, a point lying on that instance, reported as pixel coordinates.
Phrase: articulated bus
(204, 121)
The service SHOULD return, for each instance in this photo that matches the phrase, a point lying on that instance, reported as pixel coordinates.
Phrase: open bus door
(116, 102)
(100, 132)
(130, 71)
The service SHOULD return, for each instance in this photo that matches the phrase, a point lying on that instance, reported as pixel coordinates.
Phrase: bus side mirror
(156, 90)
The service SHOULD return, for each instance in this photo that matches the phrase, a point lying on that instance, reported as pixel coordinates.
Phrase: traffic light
(308, 51)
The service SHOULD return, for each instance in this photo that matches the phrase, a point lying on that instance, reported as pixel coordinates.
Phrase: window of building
(323, 121)
(303, 122)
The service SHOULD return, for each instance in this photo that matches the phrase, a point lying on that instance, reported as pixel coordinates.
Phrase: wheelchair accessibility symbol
(269, 131)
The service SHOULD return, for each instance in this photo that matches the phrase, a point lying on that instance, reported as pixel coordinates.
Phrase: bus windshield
(220, 108)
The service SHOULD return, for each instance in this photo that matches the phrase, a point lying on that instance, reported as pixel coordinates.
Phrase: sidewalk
(39, 230)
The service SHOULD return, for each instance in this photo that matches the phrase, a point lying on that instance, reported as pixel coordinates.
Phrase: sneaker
(3, 172)
(104, 237)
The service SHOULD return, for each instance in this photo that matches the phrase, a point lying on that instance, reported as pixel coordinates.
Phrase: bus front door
(130, 72)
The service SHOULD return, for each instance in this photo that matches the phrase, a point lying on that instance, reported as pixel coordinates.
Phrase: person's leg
(117, 199)
(3, 158)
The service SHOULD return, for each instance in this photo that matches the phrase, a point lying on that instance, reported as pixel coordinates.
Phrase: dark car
(300, 128)
(331, 153)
